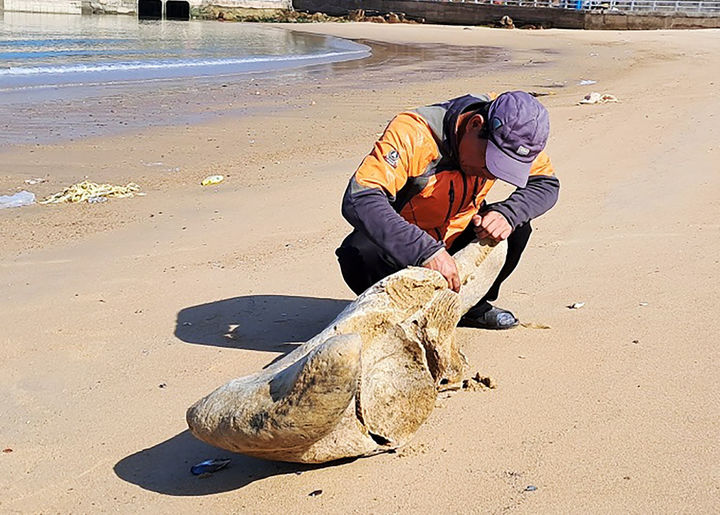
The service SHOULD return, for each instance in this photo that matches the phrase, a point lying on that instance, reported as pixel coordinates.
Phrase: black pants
(363, 263)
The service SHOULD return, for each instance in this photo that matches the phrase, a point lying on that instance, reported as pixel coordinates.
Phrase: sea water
(64, 77)
(41, 51)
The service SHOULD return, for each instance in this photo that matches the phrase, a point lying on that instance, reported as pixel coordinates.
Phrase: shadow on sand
(254, 322)
(165, 468)
(257, 322)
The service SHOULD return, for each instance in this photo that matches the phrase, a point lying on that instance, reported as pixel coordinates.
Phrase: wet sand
(118, 316)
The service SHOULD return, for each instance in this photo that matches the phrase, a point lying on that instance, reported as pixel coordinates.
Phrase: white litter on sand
(598, 98)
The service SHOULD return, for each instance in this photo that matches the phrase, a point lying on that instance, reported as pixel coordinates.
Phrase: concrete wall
(458, 13)
(241, 4)
(125, 6)
(448, 13)
(619, 21)
(44, 6)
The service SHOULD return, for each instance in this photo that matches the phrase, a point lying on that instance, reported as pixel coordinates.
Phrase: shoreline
(231, 95)
(615, 407)
(106, 102)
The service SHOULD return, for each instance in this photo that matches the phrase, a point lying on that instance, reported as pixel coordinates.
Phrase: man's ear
(477, 121)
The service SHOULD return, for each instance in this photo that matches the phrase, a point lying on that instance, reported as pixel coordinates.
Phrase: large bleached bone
(363, 385)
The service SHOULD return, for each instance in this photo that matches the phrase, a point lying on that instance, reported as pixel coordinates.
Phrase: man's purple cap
(518, 126)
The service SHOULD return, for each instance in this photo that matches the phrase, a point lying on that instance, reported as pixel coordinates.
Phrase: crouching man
(419, 196)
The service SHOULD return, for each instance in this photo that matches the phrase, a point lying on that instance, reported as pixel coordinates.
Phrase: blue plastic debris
(209, 466)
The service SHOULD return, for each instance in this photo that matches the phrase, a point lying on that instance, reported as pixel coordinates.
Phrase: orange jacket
(411, 182)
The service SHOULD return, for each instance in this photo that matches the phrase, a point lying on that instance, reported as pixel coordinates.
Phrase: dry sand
(115, 317)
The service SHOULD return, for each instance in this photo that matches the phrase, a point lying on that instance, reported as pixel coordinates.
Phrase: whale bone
(364, 384)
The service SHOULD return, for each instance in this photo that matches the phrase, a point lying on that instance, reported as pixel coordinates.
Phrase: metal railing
(678, 6)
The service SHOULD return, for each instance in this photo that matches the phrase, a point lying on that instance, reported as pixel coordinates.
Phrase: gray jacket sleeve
(369, 211)
(525, 204)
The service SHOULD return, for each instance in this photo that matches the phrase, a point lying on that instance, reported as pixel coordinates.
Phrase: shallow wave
(170, 64)
(44, 54)
(44, 42)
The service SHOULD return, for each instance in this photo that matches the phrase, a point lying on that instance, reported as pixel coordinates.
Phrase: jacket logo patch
(392, 158)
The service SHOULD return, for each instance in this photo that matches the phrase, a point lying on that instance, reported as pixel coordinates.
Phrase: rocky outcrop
(109, 6)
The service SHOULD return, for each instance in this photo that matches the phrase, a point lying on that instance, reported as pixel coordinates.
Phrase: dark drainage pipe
(177, 10)
(150, 9)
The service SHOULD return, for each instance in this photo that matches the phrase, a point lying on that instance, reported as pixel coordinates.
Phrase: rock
(507, 22)
(366, 383)
(479, 382)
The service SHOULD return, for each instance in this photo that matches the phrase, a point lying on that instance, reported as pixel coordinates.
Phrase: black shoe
(487, 316)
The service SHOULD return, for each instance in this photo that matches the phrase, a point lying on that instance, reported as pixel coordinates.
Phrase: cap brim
(505, 167)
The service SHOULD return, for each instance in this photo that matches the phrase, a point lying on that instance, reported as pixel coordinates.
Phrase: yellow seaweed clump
(86, 191)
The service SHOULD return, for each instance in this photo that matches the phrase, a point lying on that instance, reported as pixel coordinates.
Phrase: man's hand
(445, 264)
(491, 225)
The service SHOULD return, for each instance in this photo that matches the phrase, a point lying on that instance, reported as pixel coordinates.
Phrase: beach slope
(116, 317)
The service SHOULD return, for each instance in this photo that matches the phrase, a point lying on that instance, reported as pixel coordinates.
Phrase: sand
(115, 317)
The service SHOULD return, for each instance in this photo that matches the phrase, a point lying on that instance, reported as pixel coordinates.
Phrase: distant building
(173, 9)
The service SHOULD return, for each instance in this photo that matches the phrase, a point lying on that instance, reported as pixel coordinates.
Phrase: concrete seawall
(126, 6)
(43, 6)
(449, 13)
(458, 13)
